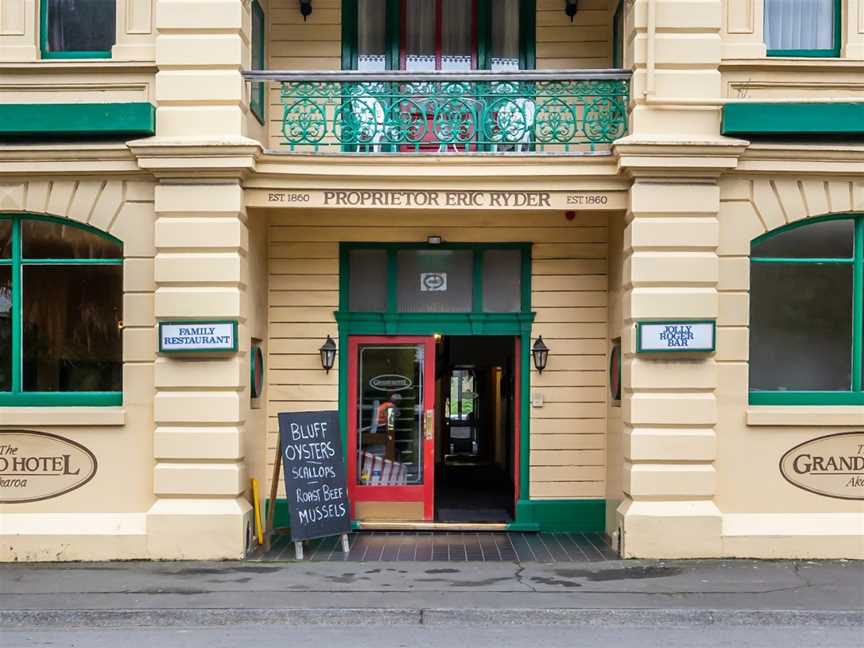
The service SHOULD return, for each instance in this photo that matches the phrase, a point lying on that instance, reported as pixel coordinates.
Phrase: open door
(391, 428)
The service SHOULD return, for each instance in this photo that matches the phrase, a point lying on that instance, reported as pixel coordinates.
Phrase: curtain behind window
(799, 24)
(81, 25)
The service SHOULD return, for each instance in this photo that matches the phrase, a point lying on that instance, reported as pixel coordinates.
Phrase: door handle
(429, 424)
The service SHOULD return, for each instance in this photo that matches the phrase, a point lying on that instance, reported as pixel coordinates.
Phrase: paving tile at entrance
(448, 546)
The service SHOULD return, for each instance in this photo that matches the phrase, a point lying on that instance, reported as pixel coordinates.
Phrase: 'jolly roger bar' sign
(680, 336)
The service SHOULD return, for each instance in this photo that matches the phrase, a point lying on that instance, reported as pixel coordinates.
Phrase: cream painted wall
(568, 295)
(105, 517)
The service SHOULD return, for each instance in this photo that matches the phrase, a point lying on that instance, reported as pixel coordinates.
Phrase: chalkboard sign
(314, 469)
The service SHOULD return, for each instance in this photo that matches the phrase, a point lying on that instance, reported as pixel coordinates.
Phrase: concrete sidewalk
(613, 592)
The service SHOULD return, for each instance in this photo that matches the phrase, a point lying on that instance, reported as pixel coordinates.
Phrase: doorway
(475, 472)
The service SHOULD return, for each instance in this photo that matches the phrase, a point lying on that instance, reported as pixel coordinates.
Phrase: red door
(391, 428)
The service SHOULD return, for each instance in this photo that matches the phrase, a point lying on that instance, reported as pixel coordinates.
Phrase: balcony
(539, 112)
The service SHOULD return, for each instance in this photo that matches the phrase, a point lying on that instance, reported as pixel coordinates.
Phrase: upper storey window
(78, 28)
(445, 35)
(802, 27)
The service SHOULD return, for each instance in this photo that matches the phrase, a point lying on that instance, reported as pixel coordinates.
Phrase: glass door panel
(391, 440)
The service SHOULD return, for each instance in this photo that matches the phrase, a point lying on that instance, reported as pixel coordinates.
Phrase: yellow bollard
(259, 531)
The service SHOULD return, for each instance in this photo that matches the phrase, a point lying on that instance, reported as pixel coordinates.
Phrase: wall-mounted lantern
(570, 7)
(540, 352)
(306, 8)
(328, 354)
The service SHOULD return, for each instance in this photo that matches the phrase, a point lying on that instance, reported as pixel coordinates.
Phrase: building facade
(196, 194)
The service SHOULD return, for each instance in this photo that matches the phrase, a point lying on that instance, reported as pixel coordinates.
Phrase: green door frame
(393, 323)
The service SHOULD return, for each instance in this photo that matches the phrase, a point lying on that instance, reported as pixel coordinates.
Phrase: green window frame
(43, 41)
(618, 36)
(527, 33)
(833, 52)
(17, 396)
(257, 100)
(856, 395)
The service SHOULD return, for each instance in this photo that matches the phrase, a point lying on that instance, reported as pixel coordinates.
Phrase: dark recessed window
(78, 28)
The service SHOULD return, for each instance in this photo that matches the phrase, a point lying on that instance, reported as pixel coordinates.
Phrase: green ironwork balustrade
(552, 112)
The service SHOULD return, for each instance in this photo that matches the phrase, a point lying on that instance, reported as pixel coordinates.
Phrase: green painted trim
(60, 399)
(563, 516)
(805, 398)
(258, 97)
(832, 52)
(801, 119)
(431, 323)
(43, 41)
(201, 322)
(282, 514)
(349, 34)
(806, 222)
(77, 120)
(477, 281)
(802, 260)
(393, 32)
(528, 34)
(484, 33)
(618, 36)
(18, 396)
(713, 348)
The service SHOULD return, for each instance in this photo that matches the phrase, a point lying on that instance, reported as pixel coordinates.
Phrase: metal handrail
(401, 75)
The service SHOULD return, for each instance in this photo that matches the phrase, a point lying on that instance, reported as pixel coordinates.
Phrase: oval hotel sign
(831, 465)
(36, 466)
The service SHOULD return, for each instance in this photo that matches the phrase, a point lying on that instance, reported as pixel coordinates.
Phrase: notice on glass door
(314, 470)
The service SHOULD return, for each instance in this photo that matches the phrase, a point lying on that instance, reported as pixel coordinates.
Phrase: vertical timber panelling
(568, 295)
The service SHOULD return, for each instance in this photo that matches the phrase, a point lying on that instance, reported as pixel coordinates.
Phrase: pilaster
(853, 31)
(135, 26)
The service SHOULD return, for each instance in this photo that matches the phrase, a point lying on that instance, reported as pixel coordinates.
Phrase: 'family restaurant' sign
(36, 466)
(197, 336)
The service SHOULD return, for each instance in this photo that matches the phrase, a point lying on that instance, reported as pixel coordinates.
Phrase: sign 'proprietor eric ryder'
(314, 469)
(175, 337)
(654, 337)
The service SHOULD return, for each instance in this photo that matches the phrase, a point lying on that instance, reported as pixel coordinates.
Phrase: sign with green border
(676, 336)
(197, 336)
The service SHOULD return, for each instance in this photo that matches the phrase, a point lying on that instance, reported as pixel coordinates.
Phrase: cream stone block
(84, 199)
(650, 197)
(138, 275)
(733, 344)
(791, 198)
(138, 309)
(821, 416)
(187, 14)
(684, 409)
(664, 268)
(679, 529)
(12, 196)
(37, 196)
(734, 187)
(816, 196)
(681, 232)
(199, 479)
(60, 197)
(686, 83)
(680, 14)
(641, 372)
(196, 121)
(139, 344)
(199, 268)
(858, 196)
(669, 480)
(199, 50)
(201, 232)
(739, 224)
(199, 407)
(794, 535)
(198, 529)
(107, 206)
(201, 373)
(138, 384)
(664, 444)
(198, 85)
(134, 226)
(734, 309)
(199, 302)
(734, 273)
(671, 303)
(204, 199)
(13, 18)
(840, 195)
(683, 48)
(198, 443)
(768, 205)
(139, 191)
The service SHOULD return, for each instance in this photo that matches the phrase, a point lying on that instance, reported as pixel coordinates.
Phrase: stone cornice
(67, 159)
(799, 158)
(710, 157)
(230, 157)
